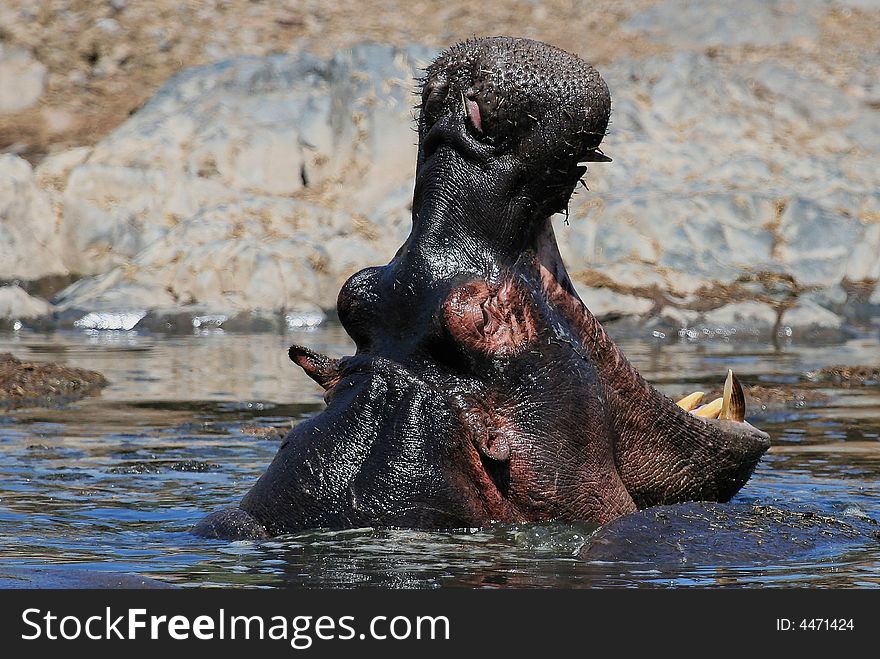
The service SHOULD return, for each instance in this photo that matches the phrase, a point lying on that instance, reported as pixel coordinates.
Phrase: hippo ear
(489, 429)
(322, 369)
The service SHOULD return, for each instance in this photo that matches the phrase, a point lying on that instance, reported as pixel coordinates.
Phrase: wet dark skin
(482, 389)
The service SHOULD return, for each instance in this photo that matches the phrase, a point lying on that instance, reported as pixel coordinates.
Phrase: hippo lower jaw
(483, 390)
(663, 452)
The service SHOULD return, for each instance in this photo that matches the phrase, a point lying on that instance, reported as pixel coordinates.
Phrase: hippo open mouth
(482, 388)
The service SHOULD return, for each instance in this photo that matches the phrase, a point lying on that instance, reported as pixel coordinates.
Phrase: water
(113, 483)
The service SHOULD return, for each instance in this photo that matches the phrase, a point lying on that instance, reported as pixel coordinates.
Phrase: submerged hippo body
(482, 388)
(703, 533)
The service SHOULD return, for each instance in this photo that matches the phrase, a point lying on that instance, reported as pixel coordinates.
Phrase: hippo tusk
(710, 410)
(690, 401)
(733, 400)
(730, 407)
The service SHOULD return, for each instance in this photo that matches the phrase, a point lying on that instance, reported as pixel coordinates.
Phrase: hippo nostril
(433, 94)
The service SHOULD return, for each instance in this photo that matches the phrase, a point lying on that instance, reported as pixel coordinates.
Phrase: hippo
(482, 389)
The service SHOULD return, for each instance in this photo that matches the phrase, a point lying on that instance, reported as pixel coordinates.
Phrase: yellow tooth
(734, 401)
(710, 410)
(690, 401)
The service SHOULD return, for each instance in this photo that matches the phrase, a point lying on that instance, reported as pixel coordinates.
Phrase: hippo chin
(482, 389)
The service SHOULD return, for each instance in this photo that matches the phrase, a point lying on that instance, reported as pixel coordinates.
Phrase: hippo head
(482, 388)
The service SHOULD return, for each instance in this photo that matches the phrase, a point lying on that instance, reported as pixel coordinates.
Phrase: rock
(862, 80)
(847, 375)
(706, 215)
(16, 304)
(252, 184)
(112, 213)
(865, 130)
(811, 260)
(108, 25)
(605, 303)
(756, 317)
(863, 261)
(685, 24)
(57, 121)
(22, 80)
(263, 253)
(30, 246)
(53, 171)
(802, 96)
(809, 315)
(871, 5)
(760, 318)
(33, 383)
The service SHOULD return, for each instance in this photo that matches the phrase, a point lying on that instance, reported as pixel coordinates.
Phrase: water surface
(113, 483)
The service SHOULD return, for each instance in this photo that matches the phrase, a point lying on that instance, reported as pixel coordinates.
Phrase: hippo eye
(433, 94)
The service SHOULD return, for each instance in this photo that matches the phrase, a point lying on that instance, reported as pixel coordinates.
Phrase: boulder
(725, 205)
(22, 79)
(30, 245)
(251, 184)
(38, 383)
(16, 305)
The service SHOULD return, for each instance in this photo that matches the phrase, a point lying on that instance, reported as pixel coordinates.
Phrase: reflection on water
(113, 483)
